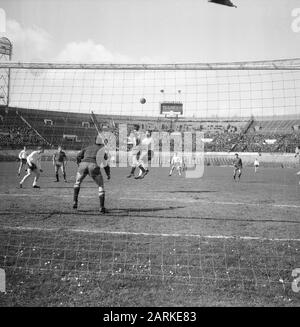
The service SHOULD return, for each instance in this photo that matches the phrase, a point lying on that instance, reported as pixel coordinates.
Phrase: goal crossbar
(286, 64)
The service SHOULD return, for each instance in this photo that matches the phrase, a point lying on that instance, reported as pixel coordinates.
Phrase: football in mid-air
(142, 100)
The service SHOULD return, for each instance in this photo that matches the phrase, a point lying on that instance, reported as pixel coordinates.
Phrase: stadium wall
(265, 159)
(287, 160)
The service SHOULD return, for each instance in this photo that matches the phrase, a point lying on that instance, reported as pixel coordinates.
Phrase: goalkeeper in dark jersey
(238, 166)
(88, 164)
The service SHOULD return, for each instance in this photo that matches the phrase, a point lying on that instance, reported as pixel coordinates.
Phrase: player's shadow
(187, 191)
(60, 187)
(119, 212)
(135, 210)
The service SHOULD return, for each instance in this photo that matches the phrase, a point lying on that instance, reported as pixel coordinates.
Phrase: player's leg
(29, 172)
(171, 170)
(239, 173)
(56, 169)
(81, 174)
(179, 170)
(106, 168)
(133, 165)
(63, 170)
(20, 167)
(235, 172)
(36, 172)
(107, 171)
(95, 173)
(143, 171)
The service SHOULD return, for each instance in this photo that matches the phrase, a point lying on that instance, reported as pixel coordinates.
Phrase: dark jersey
(89, 154)
(238, 163)
(60, 156)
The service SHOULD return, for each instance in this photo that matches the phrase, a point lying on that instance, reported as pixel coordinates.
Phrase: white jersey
(35, 158)
(134, 138)
(146, 143)
(256, 162)
(176, 160)
(23, 154)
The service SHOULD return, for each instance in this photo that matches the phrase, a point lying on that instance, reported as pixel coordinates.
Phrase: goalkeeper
(88, 164)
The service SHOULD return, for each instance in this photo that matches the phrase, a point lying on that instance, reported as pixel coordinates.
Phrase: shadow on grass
(196, 192)
(143, 213)
(187, 191)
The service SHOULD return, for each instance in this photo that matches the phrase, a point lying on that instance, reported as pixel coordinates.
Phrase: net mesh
(75, 262)
(205, 94)
(166, 240)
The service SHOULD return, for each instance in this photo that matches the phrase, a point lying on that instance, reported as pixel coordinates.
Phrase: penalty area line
(177, 235)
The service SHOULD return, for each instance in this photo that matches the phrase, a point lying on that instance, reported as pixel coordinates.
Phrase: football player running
(34, 167)
(145, 151)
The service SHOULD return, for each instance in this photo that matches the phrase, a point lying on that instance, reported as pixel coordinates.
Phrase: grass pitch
(165, 241)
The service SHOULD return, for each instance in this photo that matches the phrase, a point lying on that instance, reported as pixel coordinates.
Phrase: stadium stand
(73, 131)
(14, 133)
(276, 126)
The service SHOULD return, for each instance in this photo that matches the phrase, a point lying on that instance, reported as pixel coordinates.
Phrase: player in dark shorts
(106, 163)
(87, 160)
(238, 166)
(59, 162)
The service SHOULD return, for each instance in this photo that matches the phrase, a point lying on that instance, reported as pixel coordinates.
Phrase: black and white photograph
(149, 156)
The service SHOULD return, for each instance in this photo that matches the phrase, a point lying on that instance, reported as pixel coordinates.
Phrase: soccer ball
(142, 100)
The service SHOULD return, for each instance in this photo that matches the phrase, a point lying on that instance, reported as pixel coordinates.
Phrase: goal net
(206, 91)
(177, 239)
(57, 99)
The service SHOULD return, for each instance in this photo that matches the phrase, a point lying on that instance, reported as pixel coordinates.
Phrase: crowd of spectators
(14, 133)
(18, 136)
(224, 142)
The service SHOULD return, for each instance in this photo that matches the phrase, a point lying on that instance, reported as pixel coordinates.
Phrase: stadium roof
(5, 46)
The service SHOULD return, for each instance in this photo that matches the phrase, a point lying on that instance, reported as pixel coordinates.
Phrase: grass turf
(55, 256)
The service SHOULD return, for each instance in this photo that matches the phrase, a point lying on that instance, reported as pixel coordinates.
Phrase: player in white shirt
(146, 146)
(135, 140)
(256, 165)
(176, 162)
(34, 167)
(23, 159)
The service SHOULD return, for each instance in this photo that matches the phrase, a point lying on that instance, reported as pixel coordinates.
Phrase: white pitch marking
(245, 238)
